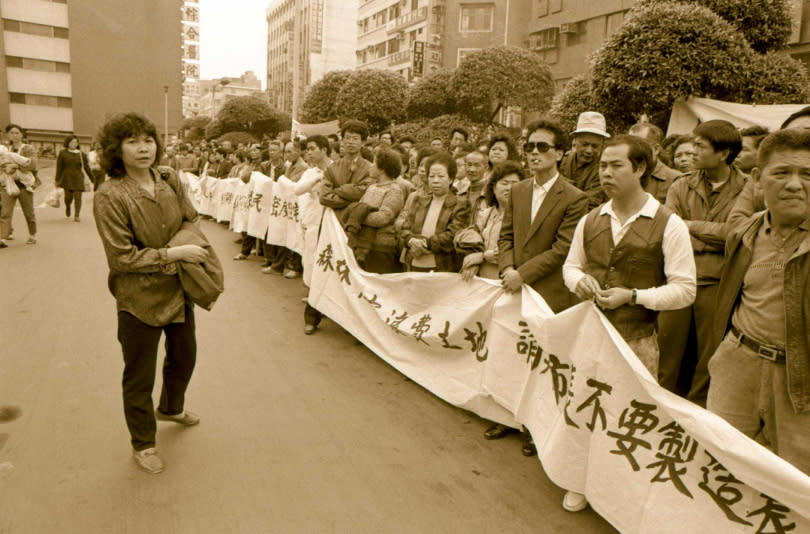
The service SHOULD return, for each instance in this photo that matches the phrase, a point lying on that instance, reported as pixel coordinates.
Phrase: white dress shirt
(679, 261)
(539, 193)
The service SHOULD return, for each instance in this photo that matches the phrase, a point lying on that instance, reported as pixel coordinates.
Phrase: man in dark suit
(537, 230)
(538, 226)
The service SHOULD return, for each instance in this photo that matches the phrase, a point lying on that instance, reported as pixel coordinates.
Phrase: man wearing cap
(760, 372)
(581, 165)
(703, 198)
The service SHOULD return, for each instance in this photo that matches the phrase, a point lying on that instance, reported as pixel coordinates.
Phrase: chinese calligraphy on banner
(648, 461)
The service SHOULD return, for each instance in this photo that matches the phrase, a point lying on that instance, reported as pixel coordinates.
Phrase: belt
(766, 352)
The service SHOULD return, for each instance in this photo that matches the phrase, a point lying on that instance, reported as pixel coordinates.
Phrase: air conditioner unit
(571, 28)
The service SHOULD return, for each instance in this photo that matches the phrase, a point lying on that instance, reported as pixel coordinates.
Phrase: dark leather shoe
(529, 448)
(498, 431)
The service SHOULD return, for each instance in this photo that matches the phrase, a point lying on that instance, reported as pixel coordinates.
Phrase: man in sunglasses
(540, 220)
(537, 229)
(581, 165)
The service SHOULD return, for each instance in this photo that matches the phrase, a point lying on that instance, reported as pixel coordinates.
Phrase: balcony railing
(409, 19)
(403, 56)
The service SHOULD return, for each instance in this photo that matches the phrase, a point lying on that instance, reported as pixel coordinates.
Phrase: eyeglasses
(541, 147)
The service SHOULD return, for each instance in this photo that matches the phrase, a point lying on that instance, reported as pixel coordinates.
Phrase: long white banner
(648, 461)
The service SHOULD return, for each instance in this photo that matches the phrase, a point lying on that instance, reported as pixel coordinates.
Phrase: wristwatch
(633, 297)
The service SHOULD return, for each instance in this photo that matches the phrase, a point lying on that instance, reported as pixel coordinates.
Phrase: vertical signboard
(191, 55)
(418, 58)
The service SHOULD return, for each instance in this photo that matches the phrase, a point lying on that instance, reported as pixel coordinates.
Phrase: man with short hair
(476, 165)
(289, 262)
(581, 165)
(662, 176)
(750, 199)
(387, 138)
(458, 137)
(185, 161)
(347, 179)
(437, 143)
(536, 230)
(760, 372)
(407, 142)
(631, 255)
(703, 198)
(273, 168)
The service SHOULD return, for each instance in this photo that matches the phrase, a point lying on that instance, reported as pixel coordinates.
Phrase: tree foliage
(374, 96)
(320, 100)
(493, 78)
(430, 96)
(213, 129)
(194, 127)
(424, 130)
(250, 114)
(575, 97)
(776, 78)
(766, 24)
(666, 51)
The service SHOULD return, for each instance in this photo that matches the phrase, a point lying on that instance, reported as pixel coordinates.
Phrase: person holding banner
(273, 168)
(433, 220)
(137, 212)
(536, 231)
(760, 372)
(631, 255)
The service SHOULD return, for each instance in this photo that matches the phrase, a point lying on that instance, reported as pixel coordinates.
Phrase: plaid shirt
(134, 229)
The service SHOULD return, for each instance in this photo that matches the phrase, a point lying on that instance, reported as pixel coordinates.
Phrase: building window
(40, 100)
(464, 52)
(414, 5)
(545, 39)
(476, 17)
(35, 29)
(36, 64)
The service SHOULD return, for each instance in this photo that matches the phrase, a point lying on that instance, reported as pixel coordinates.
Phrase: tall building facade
(65, 66)
(191, 57)
(305, 40)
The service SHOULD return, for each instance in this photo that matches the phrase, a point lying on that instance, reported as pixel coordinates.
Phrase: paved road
(298, 434)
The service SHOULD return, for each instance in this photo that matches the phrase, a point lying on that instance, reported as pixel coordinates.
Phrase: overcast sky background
(233, 38)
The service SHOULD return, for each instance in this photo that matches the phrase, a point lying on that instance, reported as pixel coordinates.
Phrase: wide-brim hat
(591, 122)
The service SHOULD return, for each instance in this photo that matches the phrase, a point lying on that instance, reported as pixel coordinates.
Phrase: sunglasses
(541, 147)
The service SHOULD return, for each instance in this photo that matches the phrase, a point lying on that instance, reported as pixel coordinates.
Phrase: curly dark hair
(511, 150)
(70, 138)
(500, 172)
(118, 128)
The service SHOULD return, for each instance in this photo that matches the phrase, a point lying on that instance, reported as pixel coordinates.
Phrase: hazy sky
(233, 38)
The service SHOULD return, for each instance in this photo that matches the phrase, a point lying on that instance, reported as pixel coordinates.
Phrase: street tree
(766, 24)
(663, 52)
(246, 114)
(374, 96)
(430, 96)
(213, 129)
(575, 97)
(494, 78)
(321, 98)
(194, 127)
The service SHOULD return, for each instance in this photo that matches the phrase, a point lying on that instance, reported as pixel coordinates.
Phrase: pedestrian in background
(95, 166)
(137, 212)
(28, 172)
(15, 185)
(72, 168)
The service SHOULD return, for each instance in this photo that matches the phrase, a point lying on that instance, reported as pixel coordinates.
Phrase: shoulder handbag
(470, 239)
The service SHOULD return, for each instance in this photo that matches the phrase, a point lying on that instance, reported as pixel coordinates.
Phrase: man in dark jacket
(760, 372)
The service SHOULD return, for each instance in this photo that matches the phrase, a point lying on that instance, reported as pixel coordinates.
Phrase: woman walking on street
(138, 211)
(71, 169)
(26, 175)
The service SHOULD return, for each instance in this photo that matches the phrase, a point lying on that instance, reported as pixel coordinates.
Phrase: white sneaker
(574, 502)
(148, 460)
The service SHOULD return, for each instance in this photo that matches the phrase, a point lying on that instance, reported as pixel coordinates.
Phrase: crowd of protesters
(694, 246)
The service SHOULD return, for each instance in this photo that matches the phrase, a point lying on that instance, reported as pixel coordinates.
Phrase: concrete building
(214, 93)
(305, 40)
(65, 65)
(404, 36)
(472, 26)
